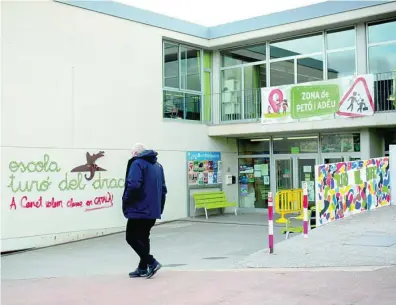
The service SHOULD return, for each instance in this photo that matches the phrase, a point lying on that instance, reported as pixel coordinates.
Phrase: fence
(348, 188)
(289, 202)
(245, 105)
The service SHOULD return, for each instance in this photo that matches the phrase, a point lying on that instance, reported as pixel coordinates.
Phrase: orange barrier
(289, 202)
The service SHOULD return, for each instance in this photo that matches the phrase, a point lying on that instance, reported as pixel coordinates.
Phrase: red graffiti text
(96, 203)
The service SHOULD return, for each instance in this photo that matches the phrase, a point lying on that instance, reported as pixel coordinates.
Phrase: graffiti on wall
(33, 184)
(348, 188)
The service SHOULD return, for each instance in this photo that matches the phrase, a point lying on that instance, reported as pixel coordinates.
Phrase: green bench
(212, 200)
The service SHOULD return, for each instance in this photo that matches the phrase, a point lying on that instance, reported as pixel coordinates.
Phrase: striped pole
(305, 208)
(270, 223)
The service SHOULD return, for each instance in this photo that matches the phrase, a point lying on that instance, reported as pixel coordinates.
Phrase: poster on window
(346, 97)
(203, 168)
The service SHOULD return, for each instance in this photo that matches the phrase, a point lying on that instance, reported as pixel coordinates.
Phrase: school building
(82, 81)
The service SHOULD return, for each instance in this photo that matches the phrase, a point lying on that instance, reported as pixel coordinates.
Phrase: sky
(215, 12)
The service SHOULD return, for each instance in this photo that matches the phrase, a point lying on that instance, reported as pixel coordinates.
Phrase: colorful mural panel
(348, 188)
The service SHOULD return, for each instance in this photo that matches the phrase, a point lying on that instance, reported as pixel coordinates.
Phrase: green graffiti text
(35, 166)
(28, 186)
(107, 183)
(71, 184)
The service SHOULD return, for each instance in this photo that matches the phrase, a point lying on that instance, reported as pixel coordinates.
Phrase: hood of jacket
(148, 155)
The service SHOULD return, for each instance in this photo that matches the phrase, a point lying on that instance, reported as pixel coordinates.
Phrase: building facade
(88, 79)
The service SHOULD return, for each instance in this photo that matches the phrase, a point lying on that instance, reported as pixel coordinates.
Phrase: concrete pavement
(366, 239)
(213, 263)
(210, 288)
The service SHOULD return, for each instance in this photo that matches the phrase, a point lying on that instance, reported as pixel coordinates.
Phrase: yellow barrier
(289, 202)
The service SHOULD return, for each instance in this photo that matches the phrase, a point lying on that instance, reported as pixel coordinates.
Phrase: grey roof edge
(233, 28)
(135, 14)
(290, 16)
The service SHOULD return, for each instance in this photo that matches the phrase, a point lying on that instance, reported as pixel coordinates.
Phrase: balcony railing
(245, 105)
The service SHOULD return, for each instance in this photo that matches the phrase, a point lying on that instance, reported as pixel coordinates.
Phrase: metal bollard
(270, 223)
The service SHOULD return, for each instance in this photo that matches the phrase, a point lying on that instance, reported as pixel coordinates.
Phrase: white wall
(77, 81)
(392, 164)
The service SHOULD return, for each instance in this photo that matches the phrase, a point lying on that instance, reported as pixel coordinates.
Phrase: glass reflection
(382, 58)
(171, 65)
(341, 39)
(282, 73)
(190, 68)
(244, 55)
(310, 69)
(380, 32)
(303, 45)
(340, 64)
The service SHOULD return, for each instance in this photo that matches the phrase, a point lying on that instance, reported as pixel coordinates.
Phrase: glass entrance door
(284, 174)
(254, 182)
(306, 172)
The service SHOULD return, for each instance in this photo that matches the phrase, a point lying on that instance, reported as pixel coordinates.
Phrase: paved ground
(209, 287)
(211, 263)
(367, 239)
(181, 245)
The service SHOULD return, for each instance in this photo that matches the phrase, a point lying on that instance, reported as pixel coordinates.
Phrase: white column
(392, 171)
(361, 49)
(365, 144)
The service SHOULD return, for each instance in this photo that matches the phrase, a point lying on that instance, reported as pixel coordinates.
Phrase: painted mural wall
(50, 192)
(348, 188)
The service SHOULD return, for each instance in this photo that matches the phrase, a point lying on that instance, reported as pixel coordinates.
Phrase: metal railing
(245, 105)
(385, 91)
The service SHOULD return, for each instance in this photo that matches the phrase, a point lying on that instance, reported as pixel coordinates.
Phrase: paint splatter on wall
(348, 188)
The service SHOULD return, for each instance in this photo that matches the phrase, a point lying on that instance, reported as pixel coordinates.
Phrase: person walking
(143, 203)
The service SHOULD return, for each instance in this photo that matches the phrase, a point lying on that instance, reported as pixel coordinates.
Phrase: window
(183, 82)
(254, 146)
(347, 142)
(295, 145)
(296, 60)
(382, 62)
(382, 47)
(282, 73)
(298, 46)
(341, 53)
(244, 55)
(325, 55)
(310, 69)
(171, 65)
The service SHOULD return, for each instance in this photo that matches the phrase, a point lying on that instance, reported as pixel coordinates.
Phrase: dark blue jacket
(145, 188)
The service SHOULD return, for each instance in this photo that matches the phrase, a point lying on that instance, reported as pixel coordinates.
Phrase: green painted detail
(371, 173)
(311, 101)
(212, 200)
(295, 150)
(207, 96)
(358, 179)
(207, 60)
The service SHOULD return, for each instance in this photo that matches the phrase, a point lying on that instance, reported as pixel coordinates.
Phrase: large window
(183, 82)
(382, 62)
(382, 46)
(325, 55)
(341, 53)
(296, 60)
(335, 143)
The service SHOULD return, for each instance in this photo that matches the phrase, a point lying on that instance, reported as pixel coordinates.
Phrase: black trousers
(138, 237)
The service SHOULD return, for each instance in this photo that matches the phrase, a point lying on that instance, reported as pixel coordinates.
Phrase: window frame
(377, 44)
(324, 52)
(180, 90)
(340, 50)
